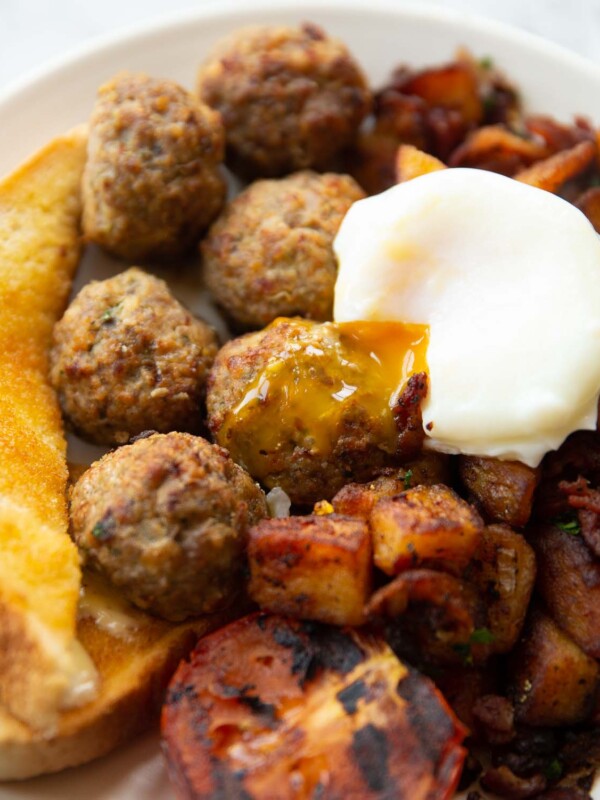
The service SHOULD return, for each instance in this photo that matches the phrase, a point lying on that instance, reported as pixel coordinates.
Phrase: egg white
(507, 277)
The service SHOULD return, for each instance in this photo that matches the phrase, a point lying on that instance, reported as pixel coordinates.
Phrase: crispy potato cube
(426, 524)
(358, 499)
(503, 569)
(450, 86)
(551, 173)
(502, 490)
(315, 567)
(412, 163)
(553, 681)
(371, 161)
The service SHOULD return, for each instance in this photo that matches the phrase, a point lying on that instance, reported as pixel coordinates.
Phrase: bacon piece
(587, 502)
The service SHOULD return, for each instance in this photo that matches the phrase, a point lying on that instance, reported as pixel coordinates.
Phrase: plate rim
(211, 9)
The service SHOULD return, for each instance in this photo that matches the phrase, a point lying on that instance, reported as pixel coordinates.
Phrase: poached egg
(505, 278)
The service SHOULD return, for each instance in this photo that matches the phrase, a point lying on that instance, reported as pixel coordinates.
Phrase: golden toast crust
(39, 251)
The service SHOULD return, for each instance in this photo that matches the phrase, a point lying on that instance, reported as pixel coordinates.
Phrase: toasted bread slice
(40, 662)
(135, 655)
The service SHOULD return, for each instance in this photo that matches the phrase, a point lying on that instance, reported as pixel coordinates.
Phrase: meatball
(127, 357)
(151, 184)
(290, 98)
(296, 407)
(270, 253)
(165, 519)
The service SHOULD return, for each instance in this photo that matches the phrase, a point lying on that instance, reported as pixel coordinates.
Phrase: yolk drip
(319, 377)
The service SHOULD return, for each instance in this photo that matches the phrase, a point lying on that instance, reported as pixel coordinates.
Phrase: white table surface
(34, 31)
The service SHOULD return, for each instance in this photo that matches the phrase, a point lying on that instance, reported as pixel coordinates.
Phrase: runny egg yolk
(312, 383)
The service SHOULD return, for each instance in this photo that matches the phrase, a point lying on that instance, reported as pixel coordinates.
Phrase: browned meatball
(151, 184)
(127, 357)
(297, 409)
(165, 519)
(270, 253)
(290, 98)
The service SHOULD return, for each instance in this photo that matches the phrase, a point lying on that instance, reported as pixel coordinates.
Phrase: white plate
(381, 36)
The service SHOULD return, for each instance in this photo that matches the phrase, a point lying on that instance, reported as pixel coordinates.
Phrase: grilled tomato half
(274, 708)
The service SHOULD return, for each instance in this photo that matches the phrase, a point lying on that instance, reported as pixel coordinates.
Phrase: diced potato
(412, 163)
(553, 172)
(504, 571)
(553, 681)
(426, 524)
(495, 718)
(315, 567)
(569, 583)
(371, 161)
(427, 469)
(403, 118)
(450, 86)
(502, 490)
(358, 499)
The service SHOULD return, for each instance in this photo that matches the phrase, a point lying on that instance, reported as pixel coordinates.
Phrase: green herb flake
(479, 636)
(109, 314)
(102, 532)
(489, 103)
(482, 636)
(570, 526)
(554, 770)
(486, 62)
(408, 478)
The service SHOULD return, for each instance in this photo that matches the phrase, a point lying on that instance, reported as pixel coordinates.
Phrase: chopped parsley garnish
(489, 103)
(109, 314)
(408, 478)
(482, 636)
(554, 770)
(479, 636)
(487, 62)
(571, 526)
(105, 528)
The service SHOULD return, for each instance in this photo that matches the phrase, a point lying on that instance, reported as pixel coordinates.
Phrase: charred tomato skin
(272, 707)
